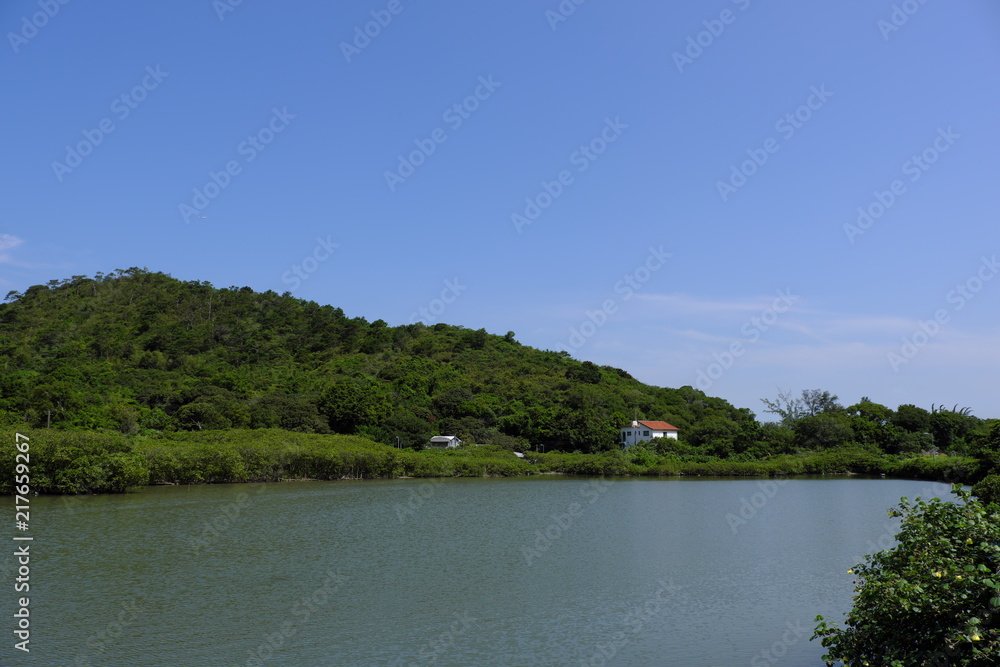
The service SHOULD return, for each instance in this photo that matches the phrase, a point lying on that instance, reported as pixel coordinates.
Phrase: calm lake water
(550, 571)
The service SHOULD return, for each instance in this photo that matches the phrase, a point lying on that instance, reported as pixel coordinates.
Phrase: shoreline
(87, 462)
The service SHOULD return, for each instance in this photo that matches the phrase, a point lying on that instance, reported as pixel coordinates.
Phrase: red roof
(655, 426)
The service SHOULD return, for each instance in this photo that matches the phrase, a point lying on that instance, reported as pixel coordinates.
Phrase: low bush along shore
(70, 462)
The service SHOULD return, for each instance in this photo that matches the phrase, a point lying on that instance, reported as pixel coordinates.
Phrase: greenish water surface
(528, 571)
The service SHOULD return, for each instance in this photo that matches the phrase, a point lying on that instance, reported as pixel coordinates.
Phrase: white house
(445, 441)
(640, 431)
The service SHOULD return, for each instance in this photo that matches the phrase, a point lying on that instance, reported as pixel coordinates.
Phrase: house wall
(634, 435)
(451, 444)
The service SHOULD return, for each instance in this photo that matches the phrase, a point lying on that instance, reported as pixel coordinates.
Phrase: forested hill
(135, 351)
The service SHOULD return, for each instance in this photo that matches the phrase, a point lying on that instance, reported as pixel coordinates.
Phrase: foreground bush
(932, 599)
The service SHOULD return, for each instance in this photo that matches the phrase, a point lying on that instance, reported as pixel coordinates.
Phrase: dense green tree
(475, 340)
(823, 431)
(715, 435)
(412, 431)
(817, 401)
(201, 416)
(351, 402)
(874, 424)
(914, 443)
(912, 418)
(588, 372)
(948, 429)
(987, 441)
(126, 417)
(290, 412)
(778, 438)
(872, 412)
(749, 439)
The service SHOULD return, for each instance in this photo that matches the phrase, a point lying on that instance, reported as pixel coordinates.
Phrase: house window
(646, 433)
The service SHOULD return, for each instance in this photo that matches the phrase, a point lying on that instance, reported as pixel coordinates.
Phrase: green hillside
(138, 352)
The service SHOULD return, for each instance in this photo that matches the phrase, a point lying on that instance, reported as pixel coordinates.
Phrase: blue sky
(669, 188)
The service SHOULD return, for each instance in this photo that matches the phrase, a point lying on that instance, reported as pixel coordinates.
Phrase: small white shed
(445, 441)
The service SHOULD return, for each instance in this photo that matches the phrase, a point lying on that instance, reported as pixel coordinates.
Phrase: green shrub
(988, 489)
(933, 598)
(123, 472)
(950, 469)
(163, 465)
(102, 473)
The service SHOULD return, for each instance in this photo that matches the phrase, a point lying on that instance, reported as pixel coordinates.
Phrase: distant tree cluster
(816, 420)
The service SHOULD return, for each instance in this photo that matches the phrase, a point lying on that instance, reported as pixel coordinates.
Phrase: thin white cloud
(698, 335)
(684, 304)
(8, 242)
